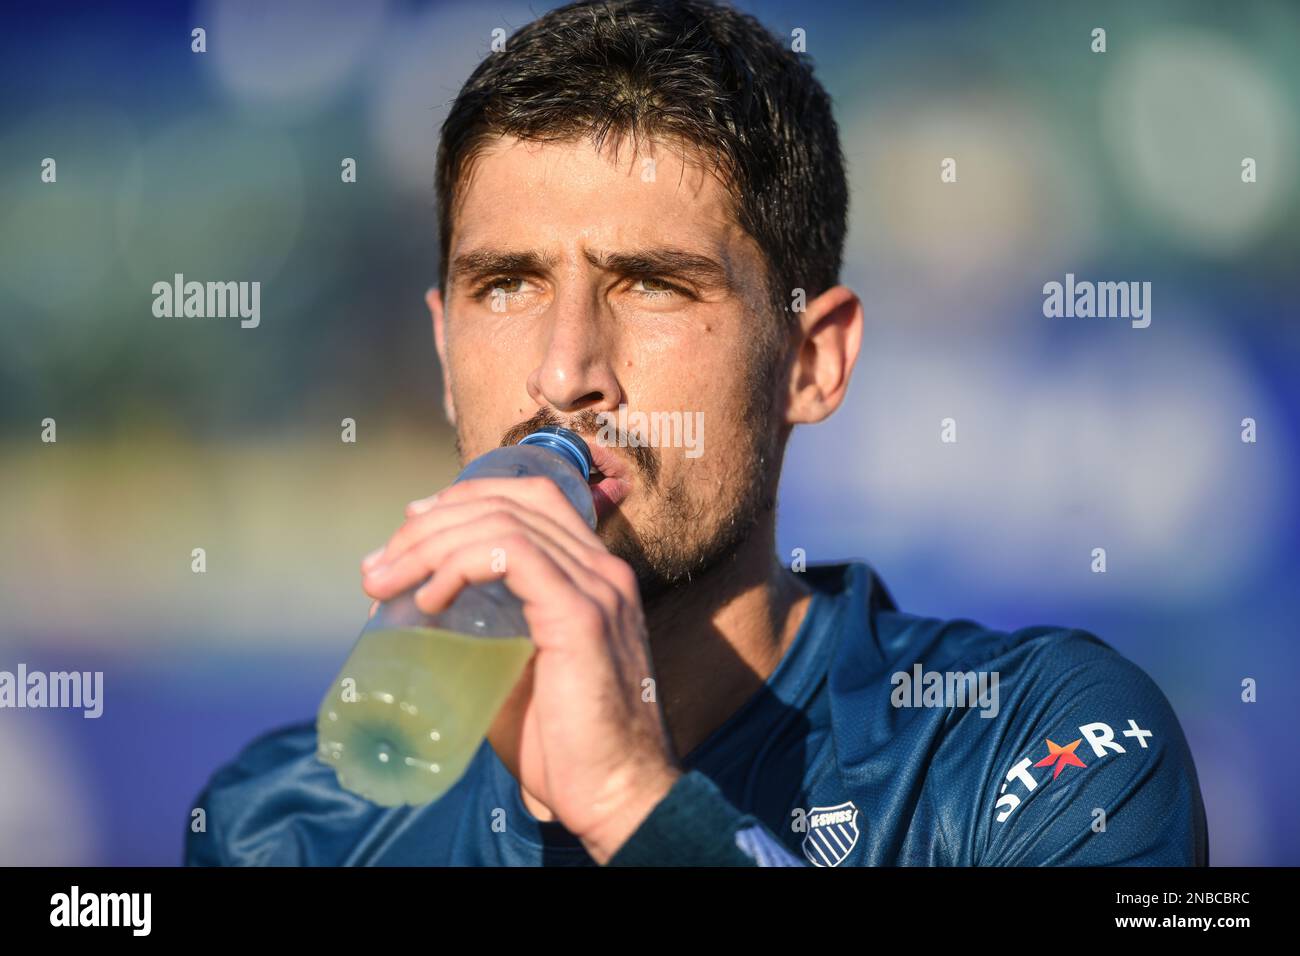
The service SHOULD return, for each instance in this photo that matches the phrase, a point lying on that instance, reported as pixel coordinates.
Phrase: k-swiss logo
(832, 834)
(1100, 737)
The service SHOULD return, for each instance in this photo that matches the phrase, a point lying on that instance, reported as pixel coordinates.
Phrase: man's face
(578, 282)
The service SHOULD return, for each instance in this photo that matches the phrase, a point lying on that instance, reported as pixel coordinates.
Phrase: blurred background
(1072, 433)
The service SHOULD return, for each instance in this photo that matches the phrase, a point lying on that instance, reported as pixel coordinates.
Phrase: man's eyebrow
(655, 261)
(484, 262)
(665, 261)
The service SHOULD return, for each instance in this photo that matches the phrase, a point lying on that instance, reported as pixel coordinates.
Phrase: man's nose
(576, 372)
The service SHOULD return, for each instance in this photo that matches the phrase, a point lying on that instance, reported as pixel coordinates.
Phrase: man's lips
(609, 480)
(607, 495)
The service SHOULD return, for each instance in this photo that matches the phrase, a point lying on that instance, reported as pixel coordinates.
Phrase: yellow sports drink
(422, 697)
(412, 703)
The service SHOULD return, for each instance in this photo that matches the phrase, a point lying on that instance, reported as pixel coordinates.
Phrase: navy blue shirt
(870, 744)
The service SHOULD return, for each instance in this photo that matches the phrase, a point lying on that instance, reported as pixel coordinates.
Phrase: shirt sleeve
(695, 825)
(273, 806)
(1095, 770)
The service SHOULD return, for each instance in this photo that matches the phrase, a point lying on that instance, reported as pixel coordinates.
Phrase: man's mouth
(609, 480)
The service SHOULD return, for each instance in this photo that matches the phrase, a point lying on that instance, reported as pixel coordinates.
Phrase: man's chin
(666, 561)
(660, 574)
(654, 577)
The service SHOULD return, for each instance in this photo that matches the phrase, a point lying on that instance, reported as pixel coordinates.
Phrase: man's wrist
(694, 825)
(628, 813)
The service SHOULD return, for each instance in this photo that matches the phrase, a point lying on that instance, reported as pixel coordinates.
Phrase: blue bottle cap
(567, 443)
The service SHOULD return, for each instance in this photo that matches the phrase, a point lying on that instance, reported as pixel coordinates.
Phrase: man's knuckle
(620, 573)
(495, 527)
(587, 612)
(516, 540)
(455, 492)
(430, 550)
(604, 593)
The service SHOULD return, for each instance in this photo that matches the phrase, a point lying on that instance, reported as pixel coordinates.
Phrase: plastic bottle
(416, 696)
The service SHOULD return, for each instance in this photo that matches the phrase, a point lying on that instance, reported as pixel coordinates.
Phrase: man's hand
(575, 731)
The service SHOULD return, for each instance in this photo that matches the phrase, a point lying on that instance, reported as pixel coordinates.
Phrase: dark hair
(690, 72)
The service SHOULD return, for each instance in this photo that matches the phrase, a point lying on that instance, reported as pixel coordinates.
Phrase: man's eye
(654, 288)
(501, 285)
(501, 292)
(501, 288)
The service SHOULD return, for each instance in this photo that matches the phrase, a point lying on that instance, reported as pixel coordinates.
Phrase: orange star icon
(1061, 756)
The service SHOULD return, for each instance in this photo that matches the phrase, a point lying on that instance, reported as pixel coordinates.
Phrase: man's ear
(830, 336)
(433, 299)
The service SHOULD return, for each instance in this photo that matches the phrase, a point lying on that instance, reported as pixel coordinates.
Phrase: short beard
(676, 544)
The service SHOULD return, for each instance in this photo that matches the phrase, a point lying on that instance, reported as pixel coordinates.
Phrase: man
(643, 204)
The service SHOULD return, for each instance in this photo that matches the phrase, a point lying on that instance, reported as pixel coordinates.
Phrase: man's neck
(715, 641)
